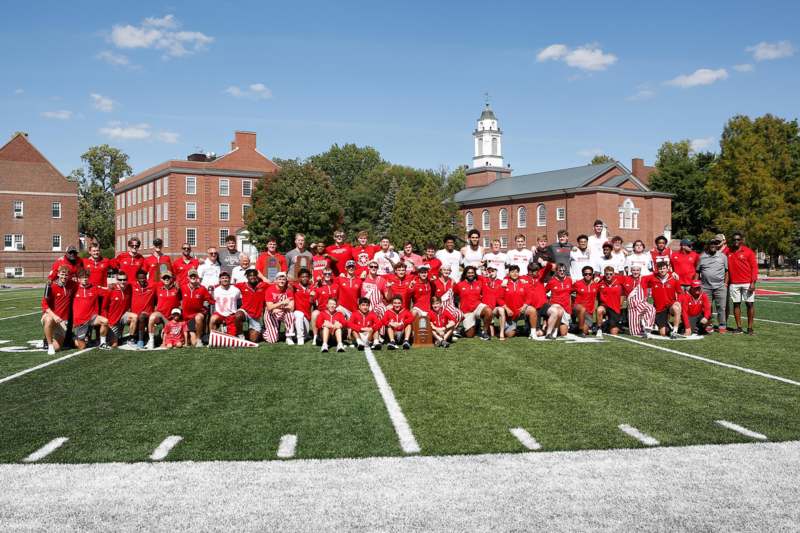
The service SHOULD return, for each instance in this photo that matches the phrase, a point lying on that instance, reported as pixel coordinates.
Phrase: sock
(102, 339)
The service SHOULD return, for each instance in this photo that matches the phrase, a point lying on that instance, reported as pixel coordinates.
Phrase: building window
(166, 237)
(503, 218)
(247, 188)
(223, 234)
(561, 213)
(191, 236)
(191, 211)
(165, 186)
(245, 210)
(522, 217)
(224, 211)
(56, 210)
(138, 195)
(628, 215)
(494, 145)
(191, 185)
(158, 213)
(144, 216)
(13, 242)
(541, 215)
(158, 188)
(469, 221)
(150, 191)
(56, 243)
(144, 193)
(166, 212)
(224, 187)
(504, 242)
(18, 208)
(485, 220)
(487, 243)
(480, 145)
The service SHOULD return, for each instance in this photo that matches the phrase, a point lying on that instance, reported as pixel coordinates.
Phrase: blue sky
(566, 79)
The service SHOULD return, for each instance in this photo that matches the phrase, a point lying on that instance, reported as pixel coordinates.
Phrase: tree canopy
(601, 158)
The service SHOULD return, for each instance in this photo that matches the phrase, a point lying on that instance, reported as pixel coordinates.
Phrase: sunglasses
(327, 273)
(213, 253)
(186, 249)
(373, 266)
(134, 245)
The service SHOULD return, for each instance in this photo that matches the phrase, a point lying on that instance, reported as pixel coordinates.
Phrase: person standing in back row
(713, 271)
(229, 256)
(743, 269)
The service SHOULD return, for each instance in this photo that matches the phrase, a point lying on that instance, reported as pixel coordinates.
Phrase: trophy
(301, 262)
(273, 267)
(422, 332)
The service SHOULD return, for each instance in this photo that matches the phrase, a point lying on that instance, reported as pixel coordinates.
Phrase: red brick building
(200, 200)
(38, 210)
(502, 206)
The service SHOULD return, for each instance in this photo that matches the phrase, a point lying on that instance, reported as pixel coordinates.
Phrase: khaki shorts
(60, 330)
(471, 318)
(740, 292)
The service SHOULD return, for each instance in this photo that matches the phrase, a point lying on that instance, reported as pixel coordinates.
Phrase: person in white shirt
(472, 253)
(238, 275)
(619, 254)
(520, 256)
(605, 259)
(597, 239)
(209, 270)
(451, 258)
(580, 257)
(386, 257)
(497, 260)
(639, 258)
(226, 306)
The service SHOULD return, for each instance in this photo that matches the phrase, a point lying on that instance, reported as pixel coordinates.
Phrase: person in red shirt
(195, 305)
(430, 259)
(585, 291)
(662, 253)
(98, 267)
(253, 302)
(421, 291)
(279, 309)
(267, 273)
(70, 260)
(176, 331)
(303, 301)
(411, 259)
(349, 289)
(559, 311)
(743, 274)
(516, 300)
(365, 326)
(320, 261)
(153, 263)
(331, 323)
(696, 309)
(610, 293)
(56, 307)
(183, 264)
(326, 288)
(399, 284)
(116, 308)
(168, 297)
(363, 252)
(684, 264)
(131, 261)
(445, 291)
(443, 323)
(470, 293)
(492, 296)
(339, 252)
(665, 290)
(85, 308)
(373, 287)
(397, 321)
(143, 301)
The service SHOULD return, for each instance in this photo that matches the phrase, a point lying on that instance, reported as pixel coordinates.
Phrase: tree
(103, 167)
(599, 159)
(684, 173)
(387, 210)
(422, 215)
(299, 198)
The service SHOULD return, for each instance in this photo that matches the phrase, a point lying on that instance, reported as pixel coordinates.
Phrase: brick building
(200, 200)
(502, 206)
(38, 210)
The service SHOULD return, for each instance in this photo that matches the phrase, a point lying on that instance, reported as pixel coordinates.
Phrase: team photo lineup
(365, 294)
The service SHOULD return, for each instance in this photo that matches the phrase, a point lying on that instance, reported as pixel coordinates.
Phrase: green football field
(241, 404)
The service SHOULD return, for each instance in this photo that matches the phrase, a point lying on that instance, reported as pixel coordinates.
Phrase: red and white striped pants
(638, 310)
(272, 324)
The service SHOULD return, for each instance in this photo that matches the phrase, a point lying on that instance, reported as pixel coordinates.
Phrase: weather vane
(486, 97)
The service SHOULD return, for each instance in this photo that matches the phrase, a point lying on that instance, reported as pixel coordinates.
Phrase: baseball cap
(280, 275)
(686, 242)
(695, 283)
(372, 262)
(350, 263)
(175, 310)
(166, 274)
(720, 237)
(424, 267)
(490, 267)
(192, 272)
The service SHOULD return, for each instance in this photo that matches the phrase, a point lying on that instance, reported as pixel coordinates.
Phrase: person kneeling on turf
(696, 309)
(176, 332)
(194, 304)
(56, 305)
(443, 323)
(398, 324)
(665, 290)
(585, 291)
(168, 297)
(226, 306)
(515, 301)
(331, 322)
(610, 293)
(84, 312)
(365, 326)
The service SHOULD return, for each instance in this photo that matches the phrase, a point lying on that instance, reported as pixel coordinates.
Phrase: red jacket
(167, 299)
(339, 256)
(324, 316)
(303, 298)
(560, 292)
(349, 292)
(130, 264)
(610, 293)
(253, 299)
(181, 267)
(665, 292)
(399, 287)
(58, 298)
(142, 298)
(73, 268)
(151, 265)
(685, 266)
(403, 316)
(85, 302)
(98, 270)
(359, 321)
(585, 294)
(742, 265)
(691, 307)
(116, 303)
(421, 292)
(193, 299)
(442, 318)
(515, 294)
(493, 291)
(470, 294)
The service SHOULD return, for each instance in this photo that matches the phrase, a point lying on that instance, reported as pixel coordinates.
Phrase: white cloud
(701, 76)
(587, 57)
(19, 91)
(591, 152)
(119, 131)
(62, 114)
(111, 58)
(254, 91)
(701, 144)
(765, 51)
(168, 137)
(102, 103)
(160, 34)
(744, 67)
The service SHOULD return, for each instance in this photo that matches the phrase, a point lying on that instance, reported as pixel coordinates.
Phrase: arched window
(494, 145)
(469, 221)
(628, 215)
(541, 215)
(503, 218)
(479, 140)
(522, 217)
(485, 222)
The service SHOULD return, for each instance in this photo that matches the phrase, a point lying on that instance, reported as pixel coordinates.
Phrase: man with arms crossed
(743, 269)
(712, 267)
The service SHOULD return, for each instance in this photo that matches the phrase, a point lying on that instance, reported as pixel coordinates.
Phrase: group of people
(365, 294)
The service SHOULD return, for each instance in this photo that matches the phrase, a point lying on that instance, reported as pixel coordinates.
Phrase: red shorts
(230, 322)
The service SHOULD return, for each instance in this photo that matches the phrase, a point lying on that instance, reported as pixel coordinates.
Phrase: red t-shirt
(325, 316)
(493, 291)
(116, 303)
(130, 264)
(359, 321)
(325, 292)
(274, 294)
(515, 294)
(181, 268)
(685, 266)
(470, 294)
(349, 292)
(303, 298)
(339, 256)
(142, 298)
(319, 264)
(362, 254)
(691, 307)
(167, 298)
(560, 292)
(399, 287)
(193, 299)
(421, 292)
(85, 303)
(742, 265)
(63, 261)
(58, 298)
(98, 270)
(174, 331)
(442, 318)
(665, 292)
(435, 265)
(585, 294)
(665, 256)
(610, 293)
(403, 316)
(151, 266)
(253, 299)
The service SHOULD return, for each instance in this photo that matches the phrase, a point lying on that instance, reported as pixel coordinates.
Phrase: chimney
(641, 171)
(245, 140)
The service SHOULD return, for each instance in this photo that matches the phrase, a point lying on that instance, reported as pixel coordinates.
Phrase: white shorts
(252, 323)
(60, 330)
(740, 292)
(471, 318)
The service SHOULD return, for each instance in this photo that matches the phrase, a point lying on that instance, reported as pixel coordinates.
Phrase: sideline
(19, 316)
(43, 365)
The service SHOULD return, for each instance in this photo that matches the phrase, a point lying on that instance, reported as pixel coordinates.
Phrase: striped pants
(272, 324)
(638, 310)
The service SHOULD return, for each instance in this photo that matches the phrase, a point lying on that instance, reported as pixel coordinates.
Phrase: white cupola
(488, 141)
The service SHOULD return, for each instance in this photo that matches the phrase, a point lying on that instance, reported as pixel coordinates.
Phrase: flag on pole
(223, 340)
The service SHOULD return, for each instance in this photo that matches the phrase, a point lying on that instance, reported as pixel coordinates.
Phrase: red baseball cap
(696, 283)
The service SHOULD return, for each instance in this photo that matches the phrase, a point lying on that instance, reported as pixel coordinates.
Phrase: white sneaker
(535, 337)
(324, 348)
(241, 336)
(301, 340)
(51, 350)
(151, 343)
(289, 341)
(314, 340)
(199, 344)
(339, 348)
(599, 334)
(554, 334)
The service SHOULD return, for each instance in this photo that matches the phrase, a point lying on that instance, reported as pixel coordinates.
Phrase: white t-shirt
(472, 257)
(386, 261)
(596, 243)
(601, 264)
(226, 301)
(619, 261)
(209, 273)
(578, 260)
(453, 260)
(521, 258)
(237, 276)
(498, 261)
(644, 260)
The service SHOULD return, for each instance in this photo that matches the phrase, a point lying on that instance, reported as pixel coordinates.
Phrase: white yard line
(743, 430)
(43, 365)
(710, 361)
(287, 446)
(165, 447)
(407, 441)
(644, 438)
(776, 301)
(18, 316)
(778, 322)
(46, 450)
(525, 439)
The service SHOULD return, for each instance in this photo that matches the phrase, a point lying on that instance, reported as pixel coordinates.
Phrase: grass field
(238, 404)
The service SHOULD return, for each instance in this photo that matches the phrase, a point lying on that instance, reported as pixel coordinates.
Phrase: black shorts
(543, 311)
(662, 318)
(613, 320)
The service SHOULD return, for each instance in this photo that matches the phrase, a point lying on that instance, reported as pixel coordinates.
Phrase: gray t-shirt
(291, 260)
(712, 270)
(228, 260)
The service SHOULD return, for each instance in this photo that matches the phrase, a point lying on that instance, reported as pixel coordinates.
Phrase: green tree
(387, 210)
(599, 159)
(103, 167)
(299, 198)
(422, 215)
(684, 173)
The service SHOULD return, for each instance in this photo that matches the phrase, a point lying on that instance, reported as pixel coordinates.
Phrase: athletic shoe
(376, 346)
(241, 336)
(340, 348)
(324, 348)
(104, 346)
(314, 340)
(301, 340)
(484, 337)
(750, 331)
(360, 347)
(722, 329)
(438, 344)
(445, 344)
(51, 350)
(391, 346)
(289, 341)
(406, 346)
(151, 344)
(737, 331)
(599, 334)
(132, 343)
(199, 344)
(535, 337)
(554, 333)
(673, 335)
(645, 335)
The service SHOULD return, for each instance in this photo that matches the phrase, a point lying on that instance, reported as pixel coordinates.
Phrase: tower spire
(488, 139)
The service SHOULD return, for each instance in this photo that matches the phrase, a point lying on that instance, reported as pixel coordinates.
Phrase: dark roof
(487, 114)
